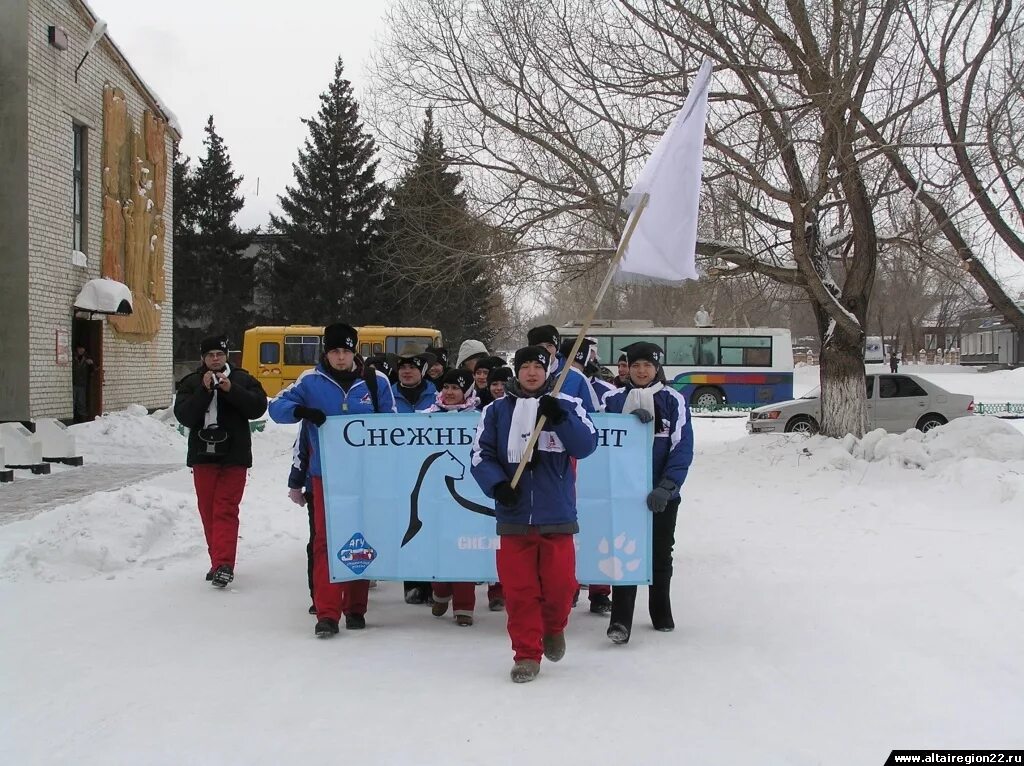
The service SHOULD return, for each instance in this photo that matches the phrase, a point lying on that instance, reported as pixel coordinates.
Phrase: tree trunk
(842, 377)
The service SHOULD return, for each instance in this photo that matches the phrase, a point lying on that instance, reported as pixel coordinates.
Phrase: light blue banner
(403, 505)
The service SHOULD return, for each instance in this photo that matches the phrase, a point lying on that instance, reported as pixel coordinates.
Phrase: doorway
(87, 333)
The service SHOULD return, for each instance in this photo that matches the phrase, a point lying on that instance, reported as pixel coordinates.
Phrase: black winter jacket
(244, 402)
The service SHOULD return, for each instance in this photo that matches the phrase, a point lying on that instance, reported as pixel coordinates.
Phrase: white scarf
(210, 421)
(641, 398)
(524, 417)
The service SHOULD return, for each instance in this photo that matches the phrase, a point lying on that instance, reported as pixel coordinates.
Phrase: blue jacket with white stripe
(673, 432)
(547, 489)
(316, 388)
(425, 400)
(576, 385)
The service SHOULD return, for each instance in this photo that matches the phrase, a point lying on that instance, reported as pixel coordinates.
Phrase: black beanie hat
(490, 363)
(340, 335)
(532, 354)
(386, 363)
(421, 361)
(544, 334)
(499, 375)
(461, 378)
(440, 354)
(213, 343)
(643, 350)
(583, 355)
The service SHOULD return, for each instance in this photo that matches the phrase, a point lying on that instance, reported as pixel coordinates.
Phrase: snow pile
(980, 438)
(108, 532)
(130, 436)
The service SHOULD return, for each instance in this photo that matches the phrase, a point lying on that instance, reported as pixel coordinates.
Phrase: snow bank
(980, 438)
(130, 436)
(106, 533)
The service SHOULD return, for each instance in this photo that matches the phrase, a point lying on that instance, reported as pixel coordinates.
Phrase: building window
(78, 176)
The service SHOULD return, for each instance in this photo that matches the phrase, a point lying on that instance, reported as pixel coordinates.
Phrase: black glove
(312, 414)
(552, 410)
(644, 416)
(506, 494)
(660, 495)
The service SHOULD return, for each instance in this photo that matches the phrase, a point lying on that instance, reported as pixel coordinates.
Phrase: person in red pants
(536, 519)
(339, 385)
(216, 404)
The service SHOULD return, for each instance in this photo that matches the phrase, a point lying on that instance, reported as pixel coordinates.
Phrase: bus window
(682, 350)
(270, 353)
(301, 350)
(604, 350)
(708, 354)
(741, 351)
(364, 350)
(406, 344)
(378, 348)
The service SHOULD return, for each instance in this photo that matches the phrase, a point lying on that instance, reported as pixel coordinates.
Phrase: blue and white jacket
(673, 432)
(577, 386)
(426, 398)
(601, 390)
(316, 388)
(298, 476)
(547, 489)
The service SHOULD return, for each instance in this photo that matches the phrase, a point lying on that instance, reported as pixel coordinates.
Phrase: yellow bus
(276, 356)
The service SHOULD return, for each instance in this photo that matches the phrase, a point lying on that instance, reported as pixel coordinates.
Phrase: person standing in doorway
(81, 373)
(216, 404)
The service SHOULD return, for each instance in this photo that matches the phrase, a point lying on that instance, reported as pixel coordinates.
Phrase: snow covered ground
(834, 600)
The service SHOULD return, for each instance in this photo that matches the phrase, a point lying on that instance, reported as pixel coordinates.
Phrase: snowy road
(831, 604)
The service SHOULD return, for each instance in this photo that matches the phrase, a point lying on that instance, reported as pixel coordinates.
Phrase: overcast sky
(258, 66)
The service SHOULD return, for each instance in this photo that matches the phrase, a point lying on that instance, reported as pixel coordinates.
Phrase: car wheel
(706, 398)
(930, 421)
(802, 424)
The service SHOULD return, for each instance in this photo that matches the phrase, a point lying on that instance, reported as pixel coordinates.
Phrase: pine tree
(434, 251)
(324, 272)
(226, 275)
(188, 302)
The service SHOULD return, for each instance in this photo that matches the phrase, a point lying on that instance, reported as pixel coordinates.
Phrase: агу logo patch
(357, 554)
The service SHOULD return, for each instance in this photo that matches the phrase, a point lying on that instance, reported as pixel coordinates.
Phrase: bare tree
(816, 120)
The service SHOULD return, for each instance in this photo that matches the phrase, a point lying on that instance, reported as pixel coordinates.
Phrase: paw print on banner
(615, 565)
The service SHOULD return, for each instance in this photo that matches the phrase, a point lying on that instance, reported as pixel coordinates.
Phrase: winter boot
(326, 628)
(209, 575)
(415, 595)
(496, 604)
(618, 633)
(222, 576)
(439, 608)
(659, 601)
(600, 604)
(524, 671)
(554, 646)
(355, 622)
(463, 620)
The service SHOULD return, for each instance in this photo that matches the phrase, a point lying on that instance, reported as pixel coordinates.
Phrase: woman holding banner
(536, 519)
(648, 399)
(337, 386)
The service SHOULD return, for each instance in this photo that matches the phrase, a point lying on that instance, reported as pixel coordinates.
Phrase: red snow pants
(331, 599)
(538, 575)
(219, 490)
(462, 595)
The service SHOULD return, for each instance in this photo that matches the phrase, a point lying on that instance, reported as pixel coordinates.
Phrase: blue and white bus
(711, 366)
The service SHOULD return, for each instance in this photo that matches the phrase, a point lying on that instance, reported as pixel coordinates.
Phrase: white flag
(663, 245)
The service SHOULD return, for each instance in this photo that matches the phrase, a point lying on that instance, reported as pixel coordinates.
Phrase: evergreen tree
(434, 252)
(187, 282)
(323, 270)
(226, 274)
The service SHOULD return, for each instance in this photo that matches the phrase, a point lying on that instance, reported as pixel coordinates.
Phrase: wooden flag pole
(612, 267)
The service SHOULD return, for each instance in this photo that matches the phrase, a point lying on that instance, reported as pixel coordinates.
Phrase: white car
(896, 403)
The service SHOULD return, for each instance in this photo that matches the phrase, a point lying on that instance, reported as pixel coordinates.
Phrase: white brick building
(105, 141)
